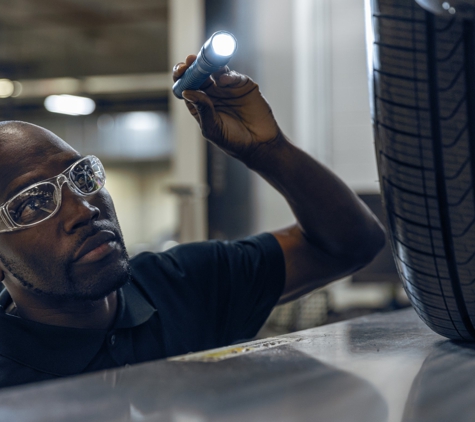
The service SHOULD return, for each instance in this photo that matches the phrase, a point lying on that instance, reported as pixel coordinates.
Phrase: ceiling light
(6, 88)
(70, 104)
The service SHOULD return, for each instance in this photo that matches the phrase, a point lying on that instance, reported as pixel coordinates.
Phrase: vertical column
(186, 35)
(274, 71)
(313, 78)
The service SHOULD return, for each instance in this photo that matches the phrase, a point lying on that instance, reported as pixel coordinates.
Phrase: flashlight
(215, 53)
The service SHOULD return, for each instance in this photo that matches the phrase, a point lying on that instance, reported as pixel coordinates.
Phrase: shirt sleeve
(215, 293)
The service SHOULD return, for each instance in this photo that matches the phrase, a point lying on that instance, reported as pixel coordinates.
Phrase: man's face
(43, 260)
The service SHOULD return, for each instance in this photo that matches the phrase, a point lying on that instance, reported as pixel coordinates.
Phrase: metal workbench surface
(383, 367)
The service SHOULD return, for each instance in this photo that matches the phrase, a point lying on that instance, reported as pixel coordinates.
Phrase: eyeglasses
(42, 200)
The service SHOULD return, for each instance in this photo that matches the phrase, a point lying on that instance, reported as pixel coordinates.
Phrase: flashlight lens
(223, 44)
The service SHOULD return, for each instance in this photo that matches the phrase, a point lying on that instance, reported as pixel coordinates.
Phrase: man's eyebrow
(17, 189)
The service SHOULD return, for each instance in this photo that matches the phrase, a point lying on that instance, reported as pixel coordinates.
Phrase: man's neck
(97, 314)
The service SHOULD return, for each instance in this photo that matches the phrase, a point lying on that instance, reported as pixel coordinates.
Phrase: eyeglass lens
(40, 201)
(87, 175)
(34, 205)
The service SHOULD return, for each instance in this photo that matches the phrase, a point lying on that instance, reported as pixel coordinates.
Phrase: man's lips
(96, 247)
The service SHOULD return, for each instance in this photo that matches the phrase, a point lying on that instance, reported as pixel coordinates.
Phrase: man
(73, 302)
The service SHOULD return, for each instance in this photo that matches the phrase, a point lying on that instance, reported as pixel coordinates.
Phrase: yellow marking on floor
(231, 352)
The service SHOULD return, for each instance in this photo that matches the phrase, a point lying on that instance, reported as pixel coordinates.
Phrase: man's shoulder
(194, 268)
(182, 261)
(180, 264)
(200, 251)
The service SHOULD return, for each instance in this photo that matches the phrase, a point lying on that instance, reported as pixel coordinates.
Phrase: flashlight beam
(214, 54)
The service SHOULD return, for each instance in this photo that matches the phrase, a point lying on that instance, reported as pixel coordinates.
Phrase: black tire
(424, 124)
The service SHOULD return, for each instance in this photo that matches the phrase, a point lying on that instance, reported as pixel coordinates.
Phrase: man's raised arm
(335, 233)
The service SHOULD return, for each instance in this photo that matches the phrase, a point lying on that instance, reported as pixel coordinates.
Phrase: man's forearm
(330, 215)
(335, 233)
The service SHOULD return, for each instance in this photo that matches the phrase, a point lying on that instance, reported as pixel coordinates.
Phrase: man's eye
(30, 207)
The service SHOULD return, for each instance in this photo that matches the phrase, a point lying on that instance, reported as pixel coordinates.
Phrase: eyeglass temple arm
(5, 225)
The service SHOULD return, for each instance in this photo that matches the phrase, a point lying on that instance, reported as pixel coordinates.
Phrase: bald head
(16, 136)
(23, 147)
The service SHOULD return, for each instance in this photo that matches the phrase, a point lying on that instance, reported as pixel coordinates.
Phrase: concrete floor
(383, 367)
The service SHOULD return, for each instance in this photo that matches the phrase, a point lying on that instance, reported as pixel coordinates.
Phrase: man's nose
(76, 211)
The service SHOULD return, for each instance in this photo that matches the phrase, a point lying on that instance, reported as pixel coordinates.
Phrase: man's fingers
(181, 67)
(225, 77)
(209, 120)
(190, 59)
(231, 79)
(222, 70)
(178, 71)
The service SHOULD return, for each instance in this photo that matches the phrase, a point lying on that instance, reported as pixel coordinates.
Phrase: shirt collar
(136, 309)
(66, 351)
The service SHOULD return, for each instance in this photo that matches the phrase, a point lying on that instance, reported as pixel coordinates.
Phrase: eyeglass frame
(64, 176)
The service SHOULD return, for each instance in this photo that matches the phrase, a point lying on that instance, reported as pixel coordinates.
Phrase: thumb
(204, 107)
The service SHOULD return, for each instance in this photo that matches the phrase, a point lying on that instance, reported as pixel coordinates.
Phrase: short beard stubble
(95, 289)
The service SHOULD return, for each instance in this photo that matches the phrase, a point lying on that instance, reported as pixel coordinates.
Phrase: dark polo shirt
(193, 297)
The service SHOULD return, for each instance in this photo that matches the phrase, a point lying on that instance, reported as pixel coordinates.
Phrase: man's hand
(335, 233)
(231, 111)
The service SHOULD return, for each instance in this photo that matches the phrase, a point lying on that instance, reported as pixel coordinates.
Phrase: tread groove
(440, 181)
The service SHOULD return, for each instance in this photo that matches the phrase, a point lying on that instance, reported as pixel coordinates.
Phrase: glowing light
(6, 88)
(70, 104)
(18, 89)
(223, 44)
(142, 121)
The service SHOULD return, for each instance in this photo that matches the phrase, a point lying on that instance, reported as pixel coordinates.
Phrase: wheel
(423, 107)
